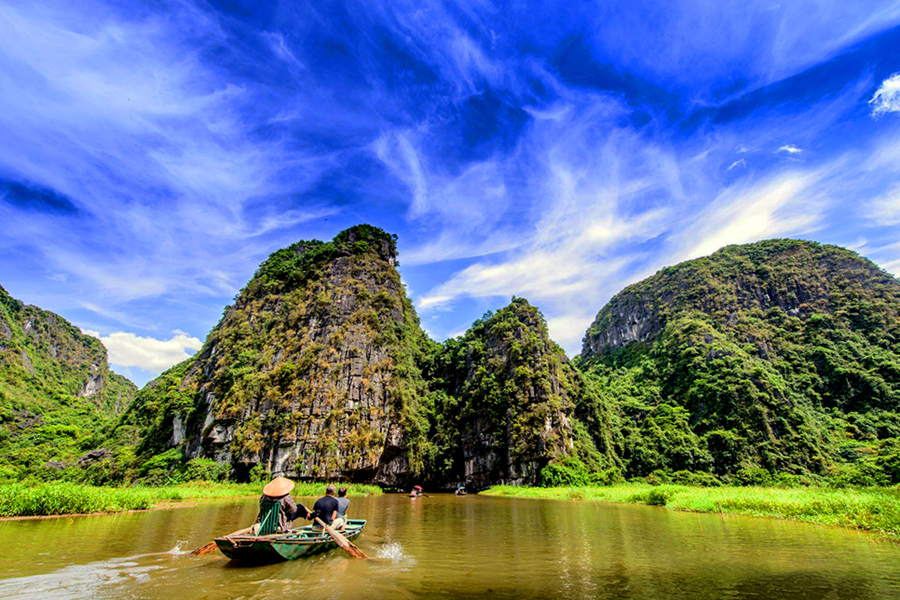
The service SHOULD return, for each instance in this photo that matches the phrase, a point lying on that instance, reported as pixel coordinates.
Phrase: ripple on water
(77, 581)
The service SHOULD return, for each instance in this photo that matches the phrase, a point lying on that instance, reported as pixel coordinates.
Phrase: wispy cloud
(152, 157)
(885, 210)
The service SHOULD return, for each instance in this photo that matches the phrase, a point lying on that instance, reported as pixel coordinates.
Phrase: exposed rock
(98, 455)
(26, 362)
(94, 384)
(55, 465)
(798, 277)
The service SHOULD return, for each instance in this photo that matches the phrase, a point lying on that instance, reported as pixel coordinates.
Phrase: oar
(343, 542)
(211, 546)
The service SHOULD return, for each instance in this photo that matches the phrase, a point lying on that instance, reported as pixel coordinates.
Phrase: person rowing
(277, 509)
(327, 508)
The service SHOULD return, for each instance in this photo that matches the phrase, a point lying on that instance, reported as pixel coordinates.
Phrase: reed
(868, 509)
(20, 500)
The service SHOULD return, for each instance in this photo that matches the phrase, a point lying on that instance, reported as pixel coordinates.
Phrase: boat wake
(178, 549)
(77, 581)
(87, 581)
(391, 551)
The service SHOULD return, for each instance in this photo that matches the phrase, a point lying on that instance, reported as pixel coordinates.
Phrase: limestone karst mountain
(56, 389)
(782, 355)
(509, 402)
(313, 372)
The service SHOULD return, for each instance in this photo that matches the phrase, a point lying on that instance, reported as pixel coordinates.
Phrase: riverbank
(49, 499)
(869, 509)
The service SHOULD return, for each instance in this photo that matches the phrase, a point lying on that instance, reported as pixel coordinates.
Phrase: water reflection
(460, 547)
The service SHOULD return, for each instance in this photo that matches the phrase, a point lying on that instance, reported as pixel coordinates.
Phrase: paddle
(211, 546)
(343, 542)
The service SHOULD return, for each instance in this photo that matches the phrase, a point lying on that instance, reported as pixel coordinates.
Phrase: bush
(258, 474)
(571, 472)
(752, 476)
(204, 469)
(699, 479)
(659, 477)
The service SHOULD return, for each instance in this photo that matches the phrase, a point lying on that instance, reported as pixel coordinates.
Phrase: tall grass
(19, 500)
(870, 509)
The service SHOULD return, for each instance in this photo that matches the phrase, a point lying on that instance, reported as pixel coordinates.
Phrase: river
(454, 547)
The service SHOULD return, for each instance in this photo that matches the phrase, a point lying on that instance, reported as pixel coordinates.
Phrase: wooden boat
(301, 542)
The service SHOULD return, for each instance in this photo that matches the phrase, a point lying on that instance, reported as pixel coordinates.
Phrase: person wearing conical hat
(279, 490)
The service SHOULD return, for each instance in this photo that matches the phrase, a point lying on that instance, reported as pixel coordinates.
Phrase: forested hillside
(780, 357)
(774, 361)
(508, 403)
(57, 392)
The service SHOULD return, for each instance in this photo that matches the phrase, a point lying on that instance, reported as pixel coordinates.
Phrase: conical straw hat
(278, 487)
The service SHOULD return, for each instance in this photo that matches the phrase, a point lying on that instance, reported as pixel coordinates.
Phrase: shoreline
(875, 511)
(60, 499)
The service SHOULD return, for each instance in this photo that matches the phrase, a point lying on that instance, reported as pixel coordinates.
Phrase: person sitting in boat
(416, 491)
(343, 504)
(277, 510)
(461, 490)
(326, 508)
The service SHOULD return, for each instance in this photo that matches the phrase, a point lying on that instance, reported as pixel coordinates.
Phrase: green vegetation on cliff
(313, 371)
(509, 405)
(57, 393)
(780, 357)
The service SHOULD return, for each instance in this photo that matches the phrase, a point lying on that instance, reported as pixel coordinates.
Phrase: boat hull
(290, 546)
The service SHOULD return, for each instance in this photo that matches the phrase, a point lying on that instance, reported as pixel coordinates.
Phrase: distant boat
(284, 546)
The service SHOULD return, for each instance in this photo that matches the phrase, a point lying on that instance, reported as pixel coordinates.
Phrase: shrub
(752, 476)
(700, 479)
(204, 469)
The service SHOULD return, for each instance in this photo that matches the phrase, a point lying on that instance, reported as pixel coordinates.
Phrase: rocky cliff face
(800, 278)
(56, 388)
(312, 373)
(777, 355)
(507, 402)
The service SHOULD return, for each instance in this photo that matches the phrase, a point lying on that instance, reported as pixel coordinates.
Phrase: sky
(153, 154)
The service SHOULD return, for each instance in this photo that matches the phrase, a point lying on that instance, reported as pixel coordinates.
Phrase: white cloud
(781, 205)
(738, 163)
(886, 209)
(887, 97)
(130, 350)
(568, 330)
(790, 149)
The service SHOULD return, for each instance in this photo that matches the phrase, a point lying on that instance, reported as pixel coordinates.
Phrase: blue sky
(152, 156)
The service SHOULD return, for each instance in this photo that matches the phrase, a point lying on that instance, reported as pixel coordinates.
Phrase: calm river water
(455, 547)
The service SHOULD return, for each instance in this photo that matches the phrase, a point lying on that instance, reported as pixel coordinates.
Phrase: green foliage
(571, 472)
(506, 383)
(782, 356)
(57, 394)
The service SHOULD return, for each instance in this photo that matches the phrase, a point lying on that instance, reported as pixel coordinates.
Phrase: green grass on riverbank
(18, 500)
(870, 509)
